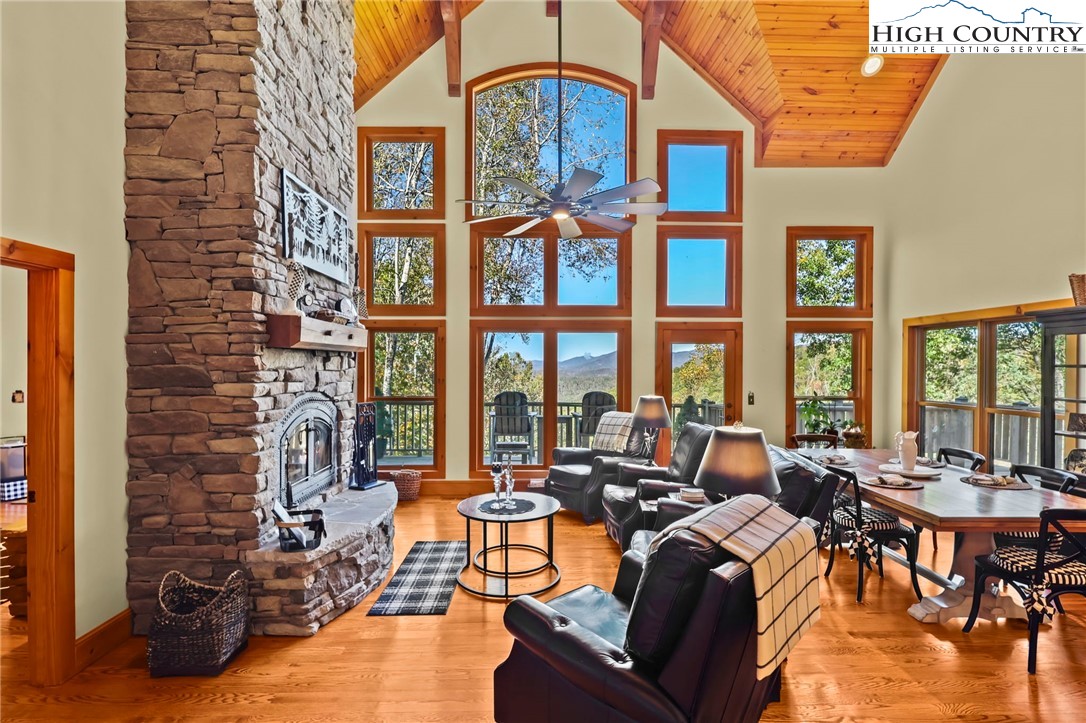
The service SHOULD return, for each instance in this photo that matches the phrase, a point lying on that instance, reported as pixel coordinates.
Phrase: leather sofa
(622, 513)
(579, 474)
(674, 640)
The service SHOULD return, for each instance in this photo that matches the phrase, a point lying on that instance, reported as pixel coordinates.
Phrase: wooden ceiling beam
(450, 16)
(652, 27)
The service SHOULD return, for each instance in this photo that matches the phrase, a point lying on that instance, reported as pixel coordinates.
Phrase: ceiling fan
(569, 201)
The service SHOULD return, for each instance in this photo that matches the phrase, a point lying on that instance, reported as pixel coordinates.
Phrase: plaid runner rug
(425, 582)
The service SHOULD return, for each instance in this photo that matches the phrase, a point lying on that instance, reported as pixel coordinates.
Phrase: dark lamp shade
(736, 462)
(651, 412)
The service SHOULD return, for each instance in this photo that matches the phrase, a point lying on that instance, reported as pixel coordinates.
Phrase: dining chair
(1057, 479)
(1041, 576)
(510, 416)
(959, 457)
(593, 406)
(869, 529)
(813, 441)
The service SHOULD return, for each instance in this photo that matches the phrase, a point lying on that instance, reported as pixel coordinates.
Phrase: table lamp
(736, 462)
(651, 414)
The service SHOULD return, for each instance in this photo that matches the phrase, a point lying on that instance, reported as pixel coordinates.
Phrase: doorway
(50, 458)
(698, 372)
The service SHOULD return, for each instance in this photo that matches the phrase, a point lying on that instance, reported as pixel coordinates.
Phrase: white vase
(906, 449)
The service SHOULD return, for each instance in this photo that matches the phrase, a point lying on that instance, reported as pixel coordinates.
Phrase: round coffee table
(530, 507)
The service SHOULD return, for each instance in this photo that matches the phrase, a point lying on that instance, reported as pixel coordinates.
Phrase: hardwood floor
(860, 662)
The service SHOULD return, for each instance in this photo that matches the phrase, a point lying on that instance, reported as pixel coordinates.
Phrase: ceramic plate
(922, 472)
(874, 482)
(846, 464)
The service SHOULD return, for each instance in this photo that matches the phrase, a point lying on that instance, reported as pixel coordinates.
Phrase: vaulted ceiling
(791, 67)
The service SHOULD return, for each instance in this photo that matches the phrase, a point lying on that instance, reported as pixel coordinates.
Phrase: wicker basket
(197, 628)
(408, 482)
(1078, 288)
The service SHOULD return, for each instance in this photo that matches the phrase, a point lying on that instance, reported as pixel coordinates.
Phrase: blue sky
(697, 178)
(696, 272)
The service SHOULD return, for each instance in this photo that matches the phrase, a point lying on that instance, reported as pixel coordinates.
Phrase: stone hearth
(222, 96)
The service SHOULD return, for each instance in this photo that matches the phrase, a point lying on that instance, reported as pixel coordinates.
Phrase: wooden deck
(860, 662)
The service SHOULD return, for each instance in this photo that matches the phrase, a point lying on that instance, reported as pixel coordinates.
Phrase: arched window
(513, 129)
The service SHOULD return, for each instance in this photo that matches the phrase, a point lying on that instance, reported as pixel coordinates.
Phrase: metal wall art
(315, 232)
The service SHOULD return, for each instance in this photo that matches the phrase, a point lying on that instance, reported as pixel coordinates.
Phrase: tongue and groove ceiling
(791, 67)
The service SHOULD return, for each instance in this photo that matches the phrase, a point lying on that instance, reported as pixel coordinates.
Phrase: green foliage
(1018, 364)
(690, 411)
(513, 270)
(702, 375)
(403, 175)
(404, 362)
(403, 270)
(826, 272)
(508, 371)
(952, 358)
(822, 365)
(950, 366)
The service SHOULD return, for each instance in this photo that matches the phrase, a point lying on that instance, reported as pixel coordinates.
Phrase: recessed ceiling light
(871, 66)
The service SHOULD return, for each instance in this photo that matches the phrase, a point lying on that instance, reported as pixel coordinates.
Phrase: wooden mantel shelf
(304, 332)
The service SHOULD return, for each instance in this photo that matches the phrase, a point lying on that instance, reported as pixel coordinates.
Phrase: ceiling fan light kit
(570, 200)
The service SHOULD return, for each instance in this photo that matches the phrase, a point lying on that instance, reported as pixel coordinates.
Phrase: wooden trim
(652, 22)
(367, 136)
(435, 231)
(695, 332)
(450, 16)
(367, 377)
(991, 313)
(550, 328)
(733, 273)
(862, 367)
(570, 71)
(50, 456)
(733, 140)
(103, 639)
(939, 65)
(294, 331)
(865, 271)
(548, 231)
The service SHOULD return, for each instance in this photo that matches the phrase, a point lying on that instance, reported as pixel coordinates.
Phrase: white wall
(63, 170)
(12, 350)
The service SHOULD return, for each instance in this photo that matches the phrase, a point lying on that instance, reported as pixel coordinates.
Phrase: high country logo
(977, 26)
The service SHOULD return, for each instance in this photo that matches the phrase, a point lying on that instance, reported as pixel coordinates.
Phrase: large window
(401, 173)
(529, 381)
(701, 174)
(403, 268)
(404, 375)
(829, 362)
(543, 275)
(829, 271)
(513, 130)
(974, 382)
(699, 271)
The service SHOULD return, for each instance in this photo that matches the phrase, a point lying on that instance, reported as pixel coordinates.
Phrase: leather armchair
(579, 474)
(622, 510)
(675, 640)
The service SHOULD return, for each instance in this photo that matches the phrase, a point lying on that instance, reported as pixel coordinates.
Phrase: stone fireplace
(223, 97)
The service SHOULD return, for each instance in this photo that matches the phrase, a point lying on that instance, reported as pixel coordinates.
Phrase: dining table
(945, 503)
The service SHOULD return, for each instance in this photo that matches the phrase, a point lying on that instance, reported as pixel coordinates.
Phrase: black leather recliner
(675, 640)
(622, 513)
(579, 474)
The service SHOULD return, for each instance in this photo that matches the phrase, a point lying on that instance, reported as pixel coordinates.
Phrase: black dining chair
(960, 458)
(867, 526)
(1055, 479)
(813, 441)
(1041, 576)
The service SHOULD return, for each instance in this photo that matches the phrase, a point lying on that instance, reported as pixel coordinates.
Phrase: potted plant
(853, 433)
(816, 419)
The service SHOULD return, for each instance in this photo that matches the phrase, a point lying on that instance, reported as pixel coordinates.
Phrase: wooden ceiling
(791, 67)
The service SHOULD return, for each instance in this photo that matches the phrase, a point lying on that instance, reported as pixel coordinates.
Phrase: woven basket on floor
(197, 628)
(408, 482)
(1078, 288)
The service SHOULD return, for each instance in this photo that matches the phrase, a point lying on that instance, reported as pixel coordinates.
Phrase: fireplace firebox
(308, 449)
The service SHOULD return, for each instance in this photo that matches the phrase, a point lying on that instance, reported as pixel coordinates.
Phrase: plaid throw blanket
(613, 432)
(783, 555)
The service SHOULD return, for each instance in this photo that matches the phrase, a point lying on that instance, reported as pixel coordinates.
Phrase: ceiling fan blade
(614, 224)
(524, 227)
(478, 202)
(523, 187)
(630, 190)
(649, 209)
(568, 228)
(494, 218)
(581, 180)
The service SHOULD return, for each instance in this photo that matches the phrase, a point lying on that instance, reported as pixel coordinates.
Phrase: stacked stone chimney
(221, 96)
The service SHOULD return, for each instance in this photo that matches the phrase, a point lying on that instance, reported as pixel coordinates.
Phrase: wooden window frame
(914, 363)
(550, 306)
(367, 377)
(367, 136)
(733, 272)
(864, 237)
(862, 367)
(366, 233)
(733, 140)
(694, 332)
(550, 328)
(524, 71)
